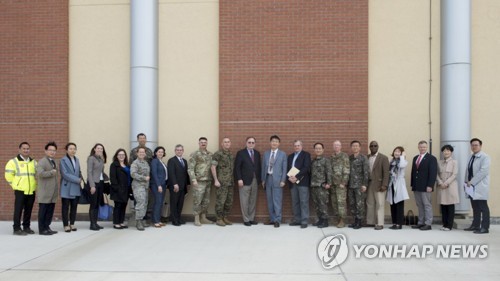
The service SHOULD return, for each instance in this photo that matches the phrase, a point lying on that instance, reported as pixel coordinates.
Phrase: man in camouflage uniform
(142, 140)
(321, 181)
(199, 170)
(222, 172)
(338, 192)
(358, 181)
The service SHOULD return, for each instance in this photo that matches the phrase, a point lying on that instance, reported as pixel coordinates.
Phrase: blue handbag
(105, 211)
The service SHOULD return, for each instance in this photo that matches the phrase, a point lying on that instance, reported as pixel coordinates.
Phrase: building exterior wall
(200, 87)
(33, 82)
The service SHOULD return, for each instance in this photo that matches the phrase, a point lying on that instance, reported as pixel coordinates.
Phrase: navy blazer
(177, 174)
(303, 163)
(245, 169)
(158, 174)
(425, 175)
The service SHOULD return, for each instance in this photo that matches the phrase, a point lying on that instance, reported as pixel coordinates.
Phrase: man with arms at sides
(477, 175)
(178, 182)
(299, 184)
(247, 172)
(46, 172)
(423, 179)
(273, 180)
(20, 174)
(200, 174)
(358, 181)
(222, 172)
(377, 186)
(338, 192)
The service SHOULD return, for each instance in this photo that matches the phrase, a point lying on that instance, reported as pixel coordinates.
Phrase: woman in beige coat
(447, 186)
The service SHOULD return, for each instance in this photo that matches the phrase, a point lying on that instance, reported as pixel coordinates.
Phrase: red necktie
(418, 160)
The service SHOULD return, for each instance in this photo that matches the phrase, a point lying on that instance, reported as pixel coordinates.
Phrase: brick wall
(294, 68)
(33, 82)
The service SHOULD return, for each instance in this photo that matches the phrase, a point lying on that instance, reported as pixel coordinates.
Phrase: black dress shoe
(471, 228)
(45, 232)
(294, 223)
(175, 223)
(481, 231)
(28, 230)
(396, 227)
(181, 221)
(19, 232)
(94, 228)
(276, 224)
(52, 231)
(117, 227)
(418, 226)
(247, 223)
(426, 227)
(100, 227)
(303, 226)
(124, 226)
(254, 222)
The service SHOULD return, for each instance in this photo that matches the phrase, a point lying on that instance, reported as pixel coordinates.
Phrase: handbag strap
(410, 213)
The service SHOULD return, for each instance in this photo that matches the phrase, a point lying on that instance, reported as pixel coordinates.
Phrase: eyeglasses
(250, 142)
(373, 145)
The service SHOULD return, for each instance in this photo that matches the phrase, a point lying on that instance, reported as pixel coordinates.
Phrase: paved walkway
(233, 252)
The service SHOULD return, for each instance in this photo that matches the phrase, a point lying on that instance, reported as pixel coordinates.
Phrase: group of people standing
(362, 182)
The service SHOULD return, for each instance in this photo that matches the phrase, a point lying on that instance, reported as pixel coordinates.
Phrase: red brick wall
(33, 82)
(294, 68)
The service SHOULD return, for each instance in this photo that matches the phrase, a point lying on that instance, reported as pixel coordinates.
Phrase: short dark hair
(400, 148)
(355, 141)
(141, 134)
(50, 143)
(476, 139)
(202, 138)
(68, 144)
(156, 150)
(23, 143)
(314, 146)
(275, 137)
(447, 147)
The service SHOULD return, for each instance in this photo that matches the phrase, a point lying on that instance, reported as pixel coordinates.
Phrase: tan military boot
(204, 220)
(227, 221)
(341, 223)
(220, 222)
(197, 220)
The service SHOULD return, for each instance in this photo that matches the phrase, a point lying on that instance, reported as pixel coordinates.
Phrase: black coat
(120, 187)
(425, 175)
(177, 174)
(245, 169)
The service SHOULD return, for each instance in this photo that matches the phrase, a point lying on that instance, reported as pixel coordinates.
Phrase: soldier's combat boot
(318, 223)
(358, 224)
(139, 225)
(227, 221)
(220, 222)
(323, 224)
(354, 223)
(197, 220)
(341, 223)
(204, 220)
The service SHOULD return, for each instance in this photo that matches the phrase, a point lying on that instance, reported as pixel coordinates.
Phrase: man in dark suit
(377, 185)
(247, 173)
(178, 182)
(299, 184)
(423, 179)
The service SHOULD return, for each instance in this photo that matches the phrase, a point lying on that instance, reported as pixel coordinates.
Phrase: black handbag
(85, 197)
(410, 218)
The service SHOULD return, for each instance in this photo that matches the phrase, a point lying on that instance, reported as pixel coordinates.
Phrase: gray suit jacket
(279, 170)
(95, 166)
(481, 176)
(47, 182)
(70, 178)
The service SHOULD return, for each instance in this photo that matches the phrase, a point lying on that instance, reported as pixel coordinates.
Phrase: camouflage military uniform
(148, 158)
(338, 195)
(358, 177)
(139, 170)
(199, 170)
(321, 174)
(224, 162)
